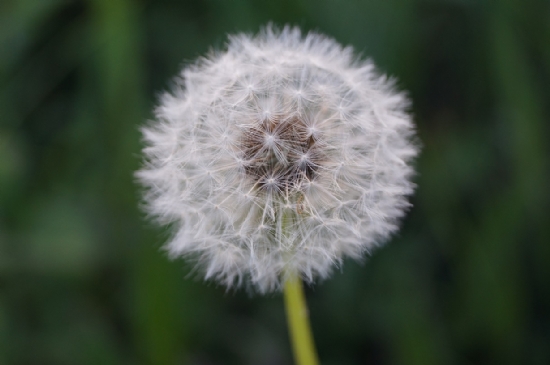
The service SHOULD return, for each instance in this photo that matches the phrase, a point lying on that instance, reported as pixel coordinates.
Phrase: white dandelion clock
(282, 153)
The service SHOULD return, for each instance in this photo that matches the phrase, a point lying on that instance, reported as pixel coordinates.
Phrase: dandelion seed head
(281, 153)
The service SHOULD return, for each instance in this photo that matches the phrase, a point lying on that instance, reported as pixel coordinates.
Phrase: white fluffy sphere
(282, 153)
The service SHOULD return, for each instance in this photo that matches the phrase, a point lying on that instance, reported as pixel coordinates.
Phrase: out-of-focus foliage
(82, 278)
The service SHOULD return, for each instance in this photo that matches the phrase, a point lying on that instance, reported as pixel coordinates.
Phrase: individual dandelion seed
(282, 153)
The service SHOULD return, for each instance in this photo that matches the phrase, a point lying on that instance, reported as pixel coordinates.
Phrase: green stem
(298, 322)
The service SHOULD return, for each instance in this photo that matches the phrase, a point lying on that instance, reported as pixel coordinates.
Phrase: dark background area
(83, 279)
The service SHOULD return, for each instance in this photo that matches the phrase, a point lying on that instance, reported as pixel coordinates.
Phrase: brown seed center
(280, 154)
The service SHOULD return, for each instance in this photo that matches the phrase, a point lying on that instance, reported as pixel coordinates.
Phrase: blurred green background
(82, 277)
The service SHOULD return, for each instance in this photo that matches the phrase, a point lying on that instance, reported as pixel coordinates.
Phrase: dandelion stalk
(298, 322)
